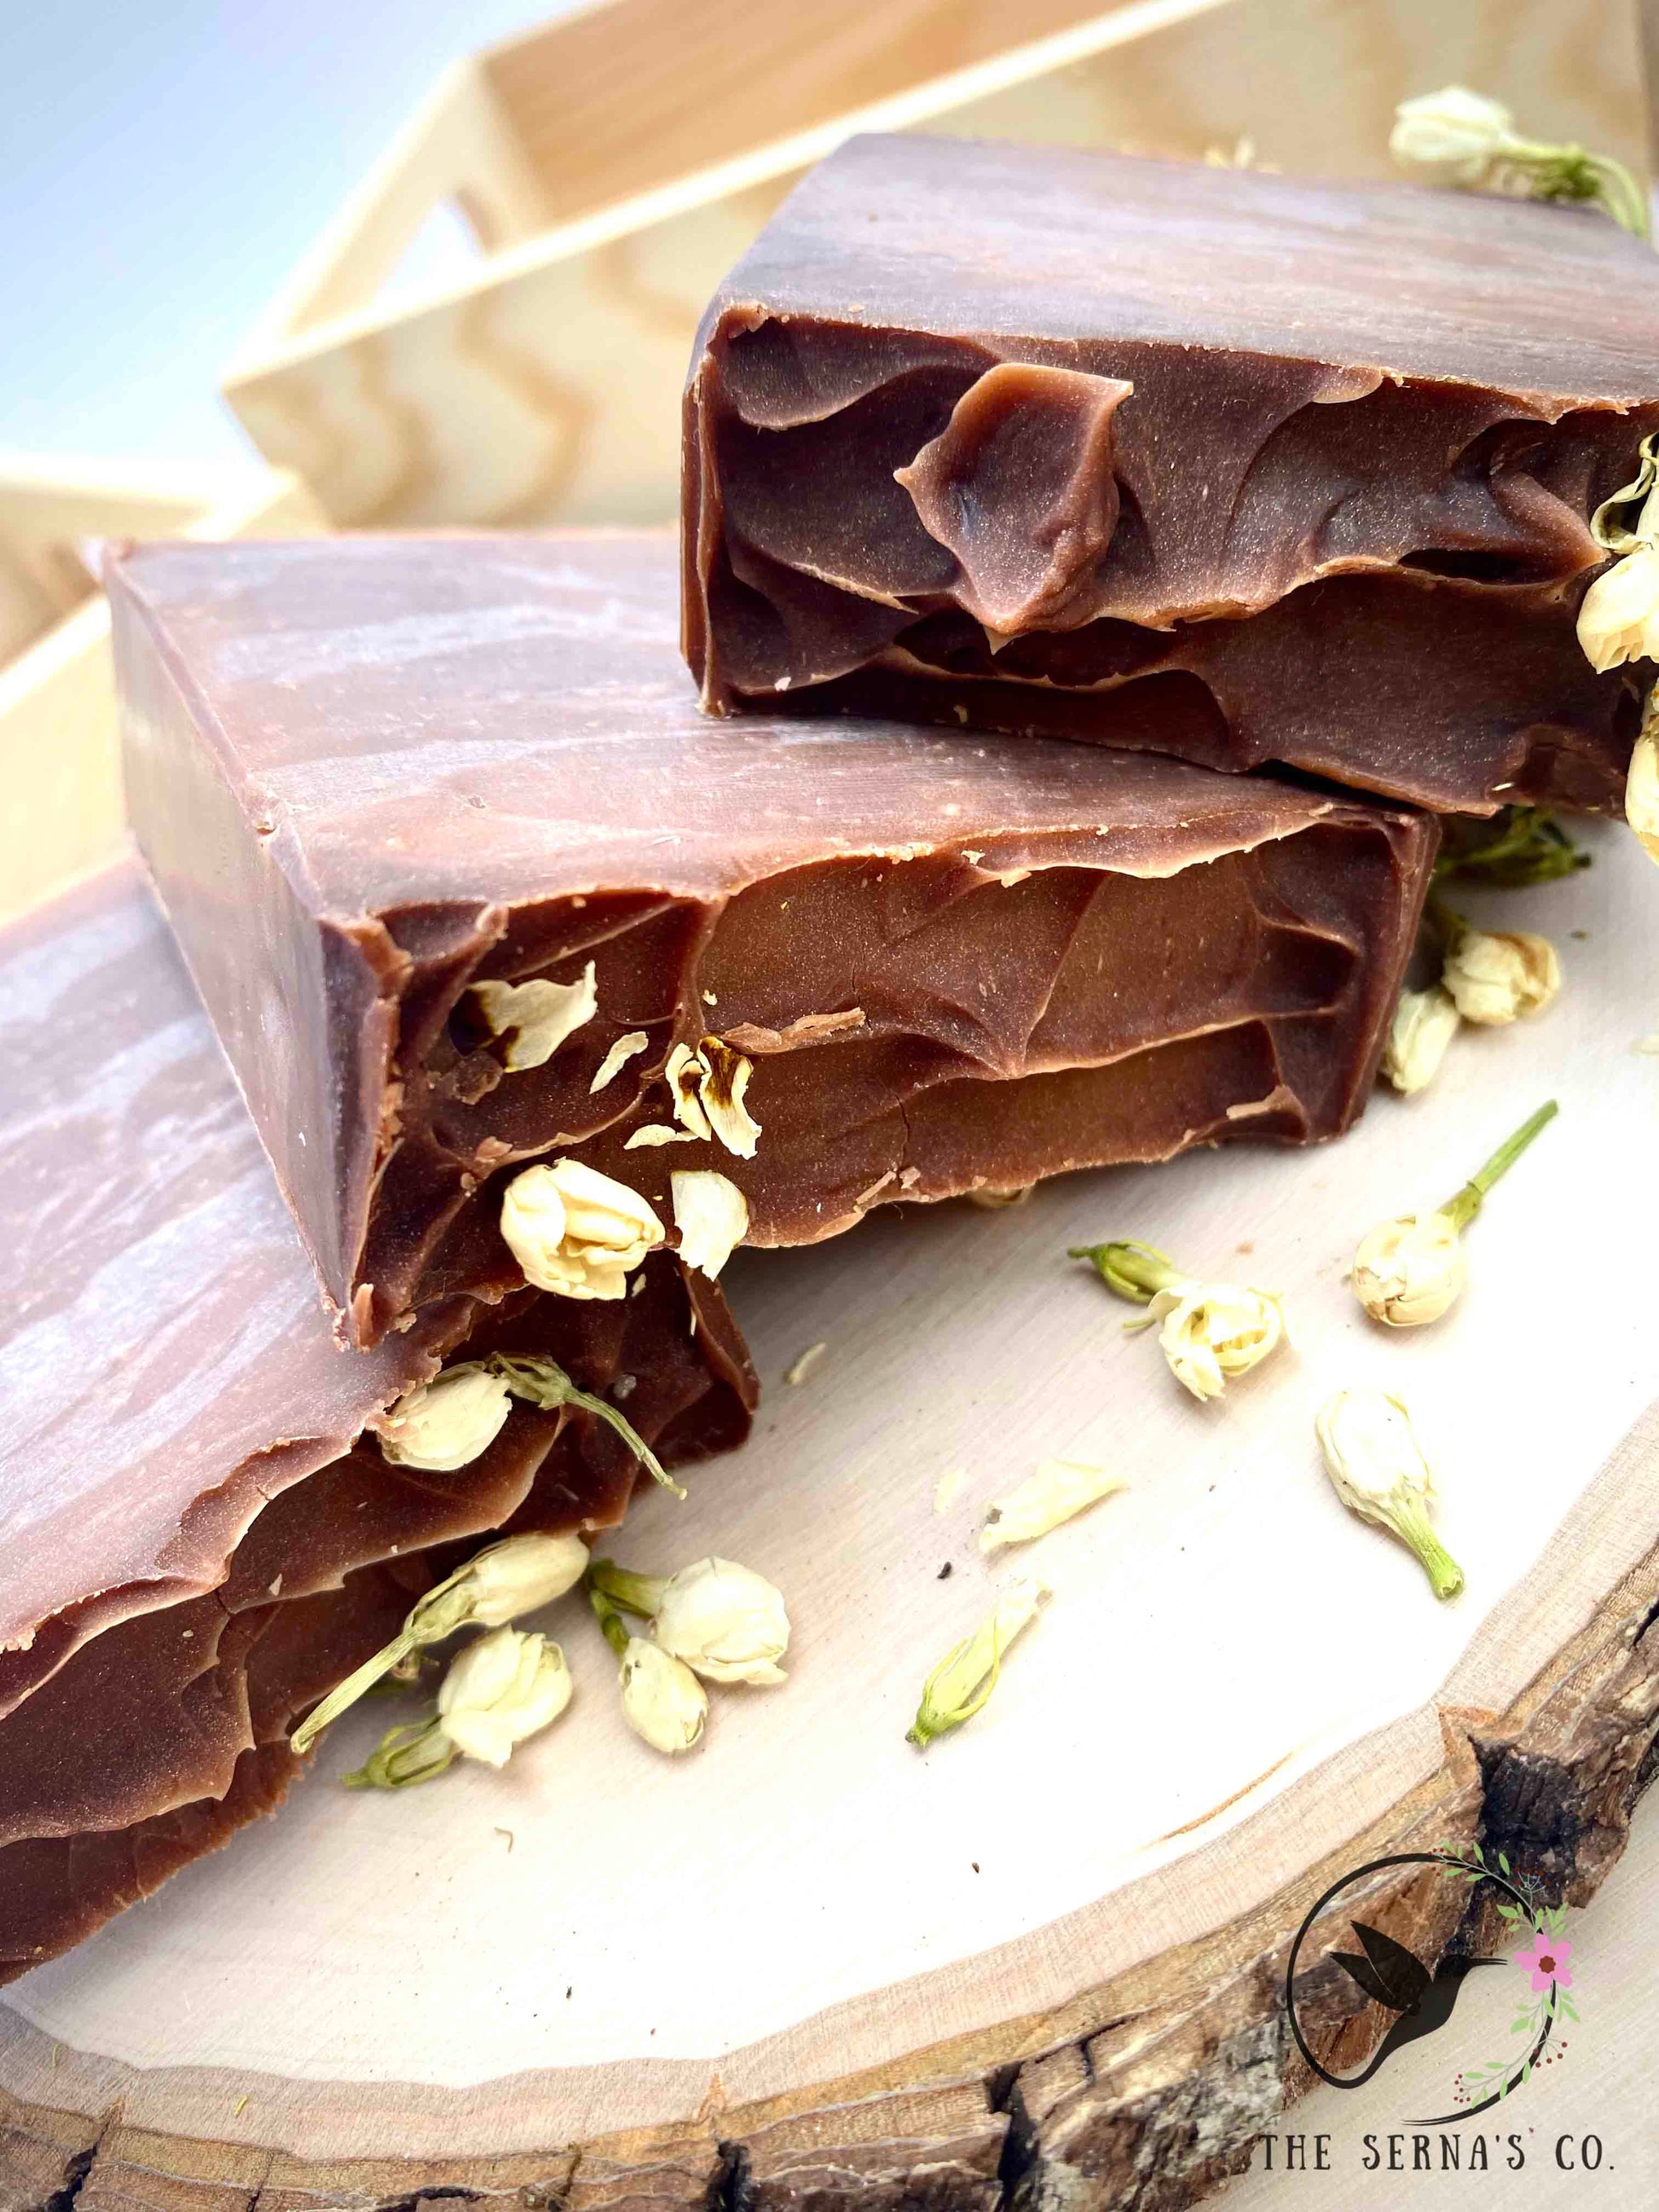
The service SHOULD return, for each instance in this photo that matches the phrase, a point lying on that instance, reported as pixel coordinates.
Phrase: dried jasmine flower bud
(712, 1215)
(1210, 1331)
(447, 1422)
(1463, 138)
(1058, 1489)
(1497, 976)
(519, 1575)
(1410, 1270)
(500, 1690)
(728, 1623)
(662, 1701)
(1642, 788)
(963, 1680)
(1619, 618)
(576, 1232)
(537, 1016)
(1425, 1023)
(1377, 1469)
(624, 1049)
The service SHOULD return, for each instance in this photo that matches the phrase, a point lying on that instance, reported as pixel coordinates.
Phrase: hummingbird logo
(1396, 1977)
(1387, 1973)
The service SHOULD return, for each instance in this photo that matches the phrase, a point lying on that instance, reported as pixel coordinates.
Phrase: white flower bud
(959, 1685)
(1409, 1271)
(500, 1689)
(520, 1574)
(1214, 1330)
(662, 1699)
(1642, 793)
(724, 1621)
(576, 1232)
(1619, 619)
(540, 1015)
(1454, 131)
(1058, 1490)
(712, 1216)
(1425, 1023)
(1499, 977)
(1377, 1469)
(447, 1422)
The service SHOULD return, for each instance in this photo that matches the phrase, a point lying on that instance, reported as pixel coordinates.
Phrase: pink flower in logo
(1546, 1961)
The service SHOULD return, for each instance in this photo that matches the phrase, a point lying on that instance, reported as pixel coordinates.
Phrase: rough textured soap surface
(1021, 437)
(195, 1539)
(369, 773)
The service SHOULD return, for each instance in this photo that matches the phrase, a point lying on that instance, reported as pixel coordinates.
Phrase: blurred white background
(163, 165)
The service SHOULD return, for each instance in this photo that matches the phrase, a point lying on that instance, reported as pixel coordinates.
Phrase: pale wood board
(545, 386)
(61, 809)
(1235, 1681)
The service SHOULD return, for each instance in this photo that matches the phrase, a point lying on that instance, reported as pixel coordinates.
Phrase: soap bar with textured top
(379, 780)
(198, 1537)
(1225, 464)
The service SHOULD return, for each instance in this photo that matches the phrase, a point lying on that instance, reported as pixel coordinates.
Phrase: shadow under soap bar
(1153, 454)
(197, 1538)
(370, 775)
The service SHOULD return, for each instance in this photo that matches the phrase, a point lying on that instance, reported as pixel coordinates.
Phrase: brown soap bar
(1215, 463)
(371, 775)
(196, 1537)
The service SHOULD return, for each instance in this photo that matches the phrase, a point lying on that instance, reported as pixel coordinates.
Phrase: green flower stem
(544, 1383)
(615, 1627)
(1526, 845)
(1445, 1575)
(1570, 173)
(1462, 1209)
(446, 1607)
(418, 1752)
(633, 1593)
(1135, 1272)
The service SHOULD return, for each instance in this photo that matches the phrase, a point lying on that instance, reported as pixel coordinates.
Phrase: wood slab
(1048, 1955)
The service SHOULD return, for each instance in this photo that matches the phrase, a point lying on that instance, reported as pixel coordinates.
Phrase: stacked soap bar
(1195, 461)
(196, 1537)
(378, 781)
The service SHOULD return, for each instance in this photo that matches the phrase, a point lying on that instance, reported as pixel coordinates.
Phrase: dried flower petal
(539, 1014)
(1058, 1489)
(712, 1216)
(650, 1133)
(576, 1232)
(1377, 1469)
(1495, 977)
(447, 1422)
(624, 1049)
(959, 1685)
(1425, 1023)
(725, 1082)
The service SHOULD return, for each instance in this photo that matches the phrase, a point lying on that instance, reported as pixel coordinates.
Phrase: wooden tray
(1051, 1948)
(60, 778)
(613, 166)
